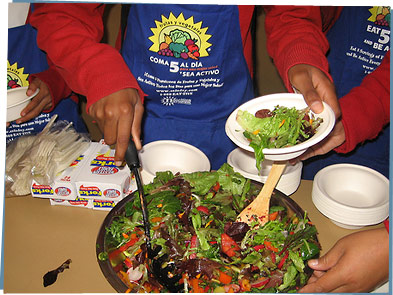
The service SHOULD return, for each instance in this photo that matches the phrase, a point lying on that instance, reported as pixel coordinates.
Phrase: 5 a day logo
(380, 15)
(180, 38)
(15, 76)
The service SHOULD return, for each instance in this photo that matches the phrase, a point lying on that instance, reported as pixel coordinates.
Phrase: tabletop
(39, 237)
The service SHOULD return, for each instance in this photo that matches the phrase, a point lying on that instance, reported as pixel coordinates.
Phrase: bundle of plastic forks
(43, 156)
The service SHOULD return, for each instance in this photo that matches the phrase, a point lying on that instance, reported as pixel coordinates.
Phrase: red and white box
(80, 203)
(103, 205)
(101, 179)
(91, 181)
(63, 186)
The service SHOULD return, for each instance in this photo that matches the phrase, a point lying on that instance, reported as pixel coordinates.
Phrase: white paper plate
(235, 132)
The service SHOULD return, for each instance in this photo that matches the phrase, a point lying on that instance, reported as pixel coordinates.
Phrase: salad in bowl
(278, 126)
(192, 218)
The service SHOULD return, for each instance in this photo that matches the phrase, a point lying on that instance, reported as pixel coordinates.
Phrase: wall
(267, 78)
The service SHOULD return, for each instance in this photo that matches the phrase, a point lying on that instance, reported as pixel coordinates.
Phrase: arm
(40, 103)
(373, 92)
(57, 87)
(360, 123)
(297, 44)
(294, 36)
(52, 90)
(49, 95)
(70, 34)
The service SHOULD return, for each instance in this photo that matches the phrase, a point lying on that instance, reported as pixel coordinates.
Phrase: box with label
(64, 186)
(103, 205)
(100, 178)
(78, 202)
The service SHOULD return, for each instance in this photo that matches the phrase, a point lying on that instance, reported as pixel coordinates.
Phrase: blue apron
(189, 61)
(25, 58)
(358, 42)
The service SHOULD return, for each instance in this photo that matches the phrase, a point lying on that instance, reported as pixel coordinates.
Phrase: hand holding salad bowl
(278, 127)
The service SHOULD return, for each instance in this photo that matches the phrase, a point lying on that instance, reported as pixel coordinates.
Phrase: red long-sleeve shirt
(56, 85)
(70, 34)
(362, 123)
(55, 82)
(293, 40)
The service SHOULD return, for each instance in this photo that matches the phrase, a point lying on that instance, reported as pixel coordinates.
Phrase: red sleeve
(70, 34)
(294, 36)
(386, 223)
(360, 122)
(56, 84)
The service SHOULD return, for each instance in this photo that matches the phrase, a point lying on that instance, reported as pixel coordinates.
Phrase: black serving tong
(164, 275)
(133, 163)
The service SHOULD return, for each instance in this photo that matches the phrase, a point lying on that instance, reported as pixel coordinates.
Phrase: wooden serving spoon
(258, 210)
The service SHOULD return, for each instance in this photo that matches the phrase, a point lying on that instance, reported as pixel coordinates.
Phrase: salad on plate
(277, 128)
(192, 219)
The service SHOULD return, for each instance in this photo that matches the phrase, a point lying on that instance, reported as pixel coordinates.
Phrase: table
(39, 237)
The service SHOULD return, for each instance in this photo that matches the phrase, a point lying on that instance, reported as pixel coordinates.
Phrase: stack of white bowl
(352, 196)
(244, 162)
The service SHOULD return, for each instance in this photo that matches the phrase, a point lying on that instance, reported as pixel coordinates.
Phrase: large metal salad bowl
(212, 253)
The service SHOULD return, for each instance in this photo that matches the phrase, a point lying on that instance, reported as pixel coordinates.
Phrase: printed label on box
(100, 178)
(43, 191)
(78, 202)
(63, 187)
(103, 205)
(92, 178)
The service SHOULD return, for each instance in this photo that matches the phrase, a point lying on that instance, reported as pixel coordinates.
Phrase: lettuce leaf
(286, 127)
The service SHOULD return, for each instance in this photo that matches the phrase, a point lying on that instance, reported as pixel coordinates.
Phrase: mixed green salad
(193, 219)
(278, 128)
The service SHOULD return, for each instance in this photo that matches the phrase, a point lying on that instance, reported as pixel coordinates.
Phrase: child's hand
(333, 140)
(119, 115)
(315, 87)
(357, 263)
(42, 101)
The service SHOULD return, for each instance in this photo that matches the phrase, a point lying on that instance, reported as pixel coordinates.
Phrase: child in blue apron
(25, 58)
(357, 45)
(189, 61)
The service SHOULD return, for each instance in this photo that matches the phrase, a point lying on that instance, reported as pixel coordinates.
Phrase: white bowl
(352, 196)
(235, 132)
(171, 155)
(244, 162)
(17, 100)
